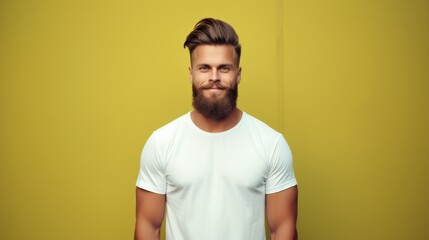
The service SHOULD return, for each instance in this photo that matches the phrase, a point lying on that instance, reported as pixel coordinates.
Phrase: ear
(191, 80)
(239, 75)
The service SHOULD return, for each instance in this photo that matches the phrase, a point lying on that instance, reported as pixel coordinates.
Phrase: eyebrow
(218, 66)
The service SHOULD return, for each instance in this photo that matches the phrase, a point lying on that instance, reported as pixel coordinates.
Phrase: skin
(282, 211)
(217, 63)
(150, 208)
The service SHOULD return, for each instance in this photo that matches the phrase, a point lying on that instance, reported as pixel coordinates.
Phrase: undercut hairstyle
(209, 31)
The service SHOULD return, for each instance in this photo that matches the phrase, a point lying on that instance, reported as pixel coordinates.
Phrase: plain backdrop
(84, 83)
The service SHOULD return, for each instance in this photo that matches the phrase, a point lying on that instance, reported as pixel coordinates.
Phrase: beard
(213, 107)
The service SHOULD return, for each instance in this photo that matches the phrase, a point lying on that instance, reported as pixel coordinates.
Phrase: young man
(216, 170)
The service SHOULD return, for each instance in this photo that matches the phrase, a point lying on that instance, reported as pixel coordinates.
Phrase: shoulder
(260, 128)
(164, 137)
(170, 129)
(269, 142)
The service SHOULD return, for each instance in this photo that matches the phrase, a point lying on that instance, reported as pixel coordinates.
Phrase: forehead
(214, 54)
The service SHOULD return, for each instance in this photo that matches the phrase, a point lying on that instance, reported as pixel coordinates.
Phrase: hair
(209, 31)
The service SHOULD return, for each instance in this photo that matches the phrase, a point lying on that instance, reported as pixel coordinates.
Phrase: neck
(210, 125)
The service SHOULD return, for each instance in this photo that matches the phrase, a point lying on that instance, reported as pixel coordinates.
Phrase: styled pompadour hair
(209, 31)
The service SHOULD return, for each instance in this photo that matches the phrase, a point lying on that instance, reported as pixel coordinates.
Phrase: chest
(224, 164)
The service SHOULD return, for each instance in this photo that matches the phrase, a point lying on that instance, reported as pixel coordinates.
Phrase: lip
(214, 88)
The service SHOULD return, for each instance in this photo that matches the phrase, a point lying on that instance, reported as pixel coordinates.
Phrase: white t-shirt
(216, 182)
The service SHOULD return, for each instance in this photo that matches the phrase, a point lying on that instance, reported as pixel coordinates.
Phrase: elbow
(284, 232)
(146, 231)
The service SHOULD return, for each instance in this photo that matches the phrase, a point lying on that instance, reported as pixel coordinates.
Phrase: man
(216, 170)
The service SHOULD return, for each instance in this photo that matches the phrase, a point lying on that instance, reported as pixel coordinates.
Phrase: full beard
(212, 107)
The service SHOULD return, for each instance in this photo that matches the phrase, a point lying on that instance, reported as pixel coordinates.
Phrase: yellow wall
(356, 94)
(84, 83)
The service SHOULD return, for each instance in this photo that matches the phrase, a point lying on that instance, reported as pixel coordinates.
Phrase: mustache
(212, 84)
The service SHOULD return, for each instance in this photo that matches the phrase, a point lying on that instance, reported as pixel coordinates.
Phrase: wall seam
(280, 72)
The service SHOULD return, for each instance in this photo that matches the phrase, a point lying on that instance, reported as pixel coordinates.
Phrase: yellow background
(84, 83)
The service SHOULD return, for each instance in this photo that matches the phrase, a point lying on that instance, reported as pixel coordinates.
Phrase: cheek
(231, 79)
(200, 78)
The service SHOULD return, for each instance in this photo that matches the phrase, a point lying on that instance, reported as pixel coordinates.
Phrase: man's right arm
(150, 208)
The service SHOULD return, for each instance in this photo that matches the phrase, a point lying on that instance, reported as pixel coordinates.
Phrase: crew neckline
(199, 130)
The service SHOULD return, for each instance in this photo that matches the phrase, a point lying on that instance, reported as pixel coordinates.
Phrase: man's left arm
(282, 211)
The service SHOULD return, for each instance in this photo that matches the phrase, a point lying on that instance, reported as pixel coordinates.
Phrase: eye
(224, 69)
(203, 68)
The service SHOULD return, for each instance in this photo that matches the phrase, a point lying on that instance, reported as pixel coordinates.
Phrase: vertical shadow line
(280, 61)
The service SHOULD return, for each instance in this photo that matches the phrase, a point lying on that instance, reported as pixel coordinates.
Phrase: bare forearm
(146, 231)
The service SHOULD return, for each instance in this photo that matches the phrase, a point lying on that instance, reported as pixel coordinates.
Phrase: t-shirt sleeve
(151, 174)
(280, 174)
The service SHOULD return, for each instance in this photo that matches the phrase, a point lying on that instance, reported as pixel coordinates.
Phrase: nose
(214, 76)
